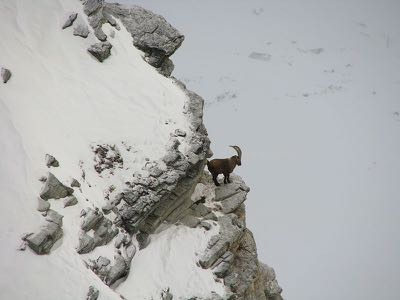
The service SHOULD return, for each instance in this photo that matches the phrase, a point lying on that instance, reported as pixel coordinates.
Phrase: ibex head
(238, 158)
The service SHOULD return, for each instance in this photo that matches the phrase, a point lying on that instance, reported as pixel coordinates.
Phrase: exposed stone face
(151, 33)
(5, 75)
(69, 20)
(54, 189)
(51, 161)
(101, 51)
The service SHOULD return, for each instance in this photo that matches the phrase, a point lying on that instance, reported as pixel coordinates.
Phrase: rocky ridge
(172, 190)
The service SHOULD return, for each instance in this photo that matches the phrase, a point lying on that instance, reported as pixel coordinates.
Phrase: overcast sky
(311, 92)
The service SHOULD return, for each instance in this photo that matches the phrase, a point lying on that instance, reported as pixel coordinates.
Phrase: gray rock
(44, 240)
(101, 51)
(55, 217)
(93, 293)
(230, 204)
(143, 239)
(150, 32)
(117, 271)
(190, 221)
(51, 161)
(200, 210)
(205, 225)
(86, 244)
(180, 132)
(104, 232)
(107, 208)
(70, 201)
(221, 270)
(54, 189)
(130, 253)
(81, 30)
(69, 20)
(5, 74)
(42, 205)
(75, 183)
(91, 6)
(166, 295)
(91, 219)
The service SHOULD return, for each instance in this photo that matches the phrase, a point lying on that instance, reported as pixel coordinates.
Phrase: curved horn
(238, 150)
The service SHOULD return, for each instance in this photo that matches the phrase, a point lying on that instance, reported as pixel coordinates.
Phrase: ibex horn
(239, 152)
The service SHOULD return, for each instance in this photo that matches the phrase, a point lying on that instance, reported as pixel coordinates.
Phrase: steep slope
(110, 150)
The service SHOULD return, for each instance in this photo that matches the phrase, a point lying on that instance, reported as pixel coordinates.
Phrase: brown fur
(223, 166)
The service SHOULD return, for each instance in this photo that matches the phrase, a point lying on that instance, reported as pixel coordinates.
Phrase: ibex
(224, 166)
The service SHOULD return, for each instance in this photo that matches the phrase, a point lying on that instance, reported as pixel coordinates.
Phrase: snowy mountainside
(102, 165)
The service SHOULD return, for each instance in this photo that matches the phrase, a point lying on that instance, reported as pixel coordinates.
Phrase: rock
(42, 241)
(55, 217)
(104, 232)
(190, 221)
(51, 161)
(166, 295)
(54, 189)
(143, 239)
(91, 219)
(200, 210)
(93, 293)
(42, 205)
(81, 30)
(205, 225)
(117, 271)
(130, 253)
(101, 51)
(5, 74)
(230, 204)
(91, 6)
(151, 33)
(75, 183)
(107, 208)
(221, 269)
(22, 246)
(86, 244)
(25, 235)
(70, 201)
(180, 132)
(69, 20)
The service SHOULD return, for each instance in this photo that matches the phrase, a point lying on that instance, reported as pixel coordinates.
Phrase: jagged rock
(51, 161)
(143, 239)
(180, 132)
(91, 6)
(86, 244)
(75, 183)
(211, 216)
(5, 74)
(190, 221)
(42, 241)
(150, 33)
(55, 217)
(91, 219)
(70, 201)
(93, 293)
(69, 20)
(117, 271)
(81, 29)
(104, 232)
(54, 189)
(272, 288)
(221, 269)
(42, 205)
(205, 225)
(166, 295)
(101, 51)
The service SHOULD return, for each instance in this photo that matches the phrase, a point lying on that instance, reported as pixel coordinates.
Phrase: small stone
(69, 20)
(70, 201)
(101, 51)
(51, 161)
(93, 293)
(55, 217)
(143, 239)
(75, 183)
(5, 74)
(42, 205)
(54, 189)
(81, 30)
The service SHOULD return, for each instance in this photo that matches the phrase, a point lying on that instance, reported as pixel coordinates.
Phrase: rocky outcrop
(5, 75)
(69, 20)
(100, 51)
(54, 189)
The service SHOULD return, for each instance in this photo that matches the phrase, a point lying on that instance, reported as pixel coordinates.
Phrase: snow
(319, 131)
(169, 261)
(63, 102)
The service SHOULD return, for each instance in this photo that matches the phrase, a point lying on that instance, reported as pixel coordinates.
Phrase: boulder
(143, 239)
(69, 20)
(44, 240)
(117, 271)
(42, 205)
(101, 51)
(54, 189)
(75, 183)
(5, 74)
(70, 201)
(86, 244)
(190, 221)
(93, 293)
(51, 161)
(81, 29)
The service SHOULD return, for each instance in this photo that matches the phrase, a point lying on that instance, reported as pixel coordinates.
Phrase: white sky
(320, 131)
